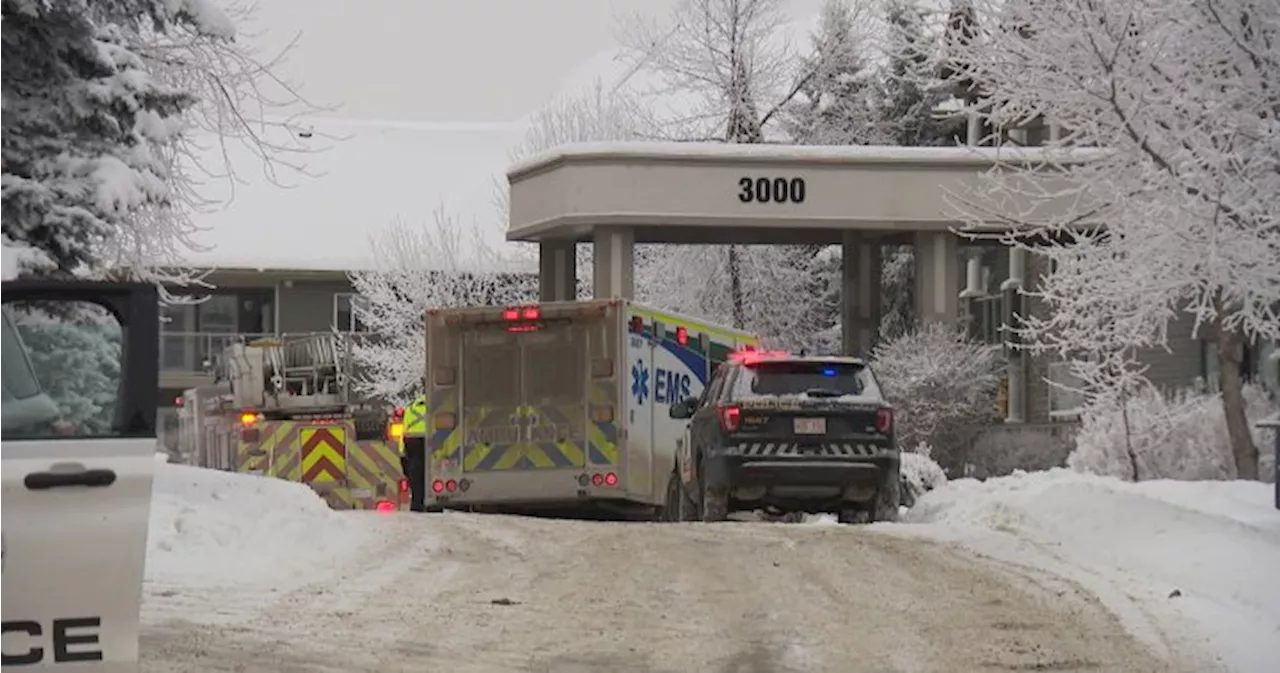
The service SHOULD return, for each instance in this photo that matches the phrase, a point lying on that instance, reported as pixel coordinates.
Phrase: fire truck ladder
(306, 366)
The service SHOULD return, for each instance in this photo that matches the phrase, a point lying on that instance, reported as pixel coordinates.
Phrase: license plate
(811, 426)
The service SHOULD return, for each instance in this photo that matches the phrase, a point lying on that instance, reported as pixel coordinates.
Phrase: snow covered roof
(816, 153)
(372, 174)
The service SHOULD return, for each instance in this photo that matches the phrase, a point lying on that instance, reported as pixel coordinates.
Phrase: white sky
(443, 60)
(431, 63)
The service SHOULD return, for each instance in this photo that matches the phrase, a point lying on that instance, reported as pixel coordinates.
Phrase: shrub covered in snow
(1154, 436)
(920, 474)
(941, 385)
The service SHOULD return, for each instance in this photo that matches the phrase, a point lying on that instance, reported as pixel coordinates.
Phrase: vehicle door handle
(43, 481)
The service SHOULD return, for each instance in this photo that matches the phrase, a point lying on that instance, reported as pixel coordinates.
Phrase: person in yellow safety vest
(413, 452)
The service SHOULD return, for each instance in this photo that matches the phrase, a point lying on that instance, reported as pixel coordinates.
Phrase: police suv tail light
(884, 420)
(730, 418)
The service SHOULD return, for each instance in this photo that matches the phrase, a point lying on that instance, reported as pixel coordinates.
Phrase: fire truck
(562, 406)
(284, 407)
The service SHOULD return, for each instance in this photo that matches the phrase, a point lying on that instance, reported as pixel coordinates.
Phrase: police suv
(79, 444)
(786, 435)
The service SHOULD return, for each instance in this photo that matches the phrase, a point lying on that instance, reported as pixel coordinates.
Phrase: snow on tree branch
(713, 57)
(241, 100)
(1183, 97)
(104, 107)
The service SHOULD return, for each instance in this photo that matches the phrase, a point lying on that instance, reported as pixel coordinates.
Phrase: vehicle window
(794, 378)
(491, 371)
(62, 370)
(554, 369)
(712, 392)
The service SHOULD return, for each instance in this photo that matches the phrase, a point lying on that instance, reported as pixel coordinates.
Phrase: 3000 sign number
(771, 190)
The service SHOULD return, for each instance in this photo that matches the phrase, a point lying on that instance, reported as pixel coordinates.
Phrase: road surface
(492, 594)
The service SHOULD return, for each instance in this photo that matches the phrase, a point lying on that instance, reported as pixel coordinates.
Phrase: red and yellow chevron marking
(324, 454)
(249, 456)
(282, 443)
(373, 473)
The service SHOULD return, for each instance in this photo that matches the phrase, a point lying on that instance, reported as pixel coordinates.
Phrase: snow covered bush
(920, 474)
(1154, 436)
(940, 383)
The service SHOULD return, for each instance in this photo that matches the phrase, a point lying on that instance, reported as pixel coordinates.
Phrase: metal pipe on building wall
(1016, 357)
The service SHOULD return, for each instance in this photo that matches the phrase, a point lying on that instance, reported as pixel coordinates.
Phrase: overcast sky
(443, 60)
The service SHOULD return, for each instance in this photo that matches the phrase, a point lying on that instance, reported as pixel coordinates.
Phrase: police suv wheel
(889, 497)
(715, 506)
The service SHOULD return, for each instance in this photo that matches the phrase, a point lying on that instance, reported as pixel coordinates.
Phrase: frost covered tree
(940, 384)
(85, 126)
(242, 106)
(594, 115)
(723, 73)
(912, 94)
(107, 106)
(840, 95)
(1182, 203)
(441, 264)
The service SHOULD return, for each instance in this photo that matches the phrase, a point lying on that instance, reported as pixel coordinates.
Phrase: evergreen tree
(912, 94)
(837, 98)
(85, 125)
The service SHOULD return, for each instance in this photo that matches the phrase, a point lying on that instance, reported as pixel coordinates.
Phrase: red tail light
(404, 485)
(597, 479)
(398, 413)
(511, 314)
(437, 486)
(385, 506)
(611, 479)
(884, 421)
(730, 418)
(451, 486)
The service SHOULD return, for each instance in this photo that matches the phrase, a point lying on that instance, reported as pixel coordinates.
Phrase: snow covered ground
(238, 562)
(1181, 563)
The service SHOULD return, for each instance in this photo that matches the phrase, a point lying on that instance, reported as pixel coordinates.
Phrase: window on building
(344, 317)
(1065, 399)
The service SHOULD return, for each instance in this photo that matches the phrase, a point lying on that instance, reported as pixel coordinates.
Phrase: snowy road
(486, 594)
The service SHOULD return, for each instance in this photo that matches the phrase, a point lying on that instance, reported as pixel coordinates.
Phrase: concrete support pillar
(613, 259)
(937, 275)
(557, 271)
(860, 293)
(1016, 361)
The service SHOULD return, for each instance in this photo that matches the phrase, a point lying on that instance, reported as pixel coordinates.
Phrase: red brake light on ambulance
(682, 336)
(531, 313)
(511, 314)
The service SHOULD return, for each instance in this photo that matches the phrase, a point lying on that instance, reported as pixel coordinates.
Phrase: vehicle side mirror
(682, 409)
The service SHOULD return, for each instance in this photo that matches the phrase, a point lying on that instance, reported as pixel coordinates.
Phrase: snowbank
(211, 529)
(1181, 563)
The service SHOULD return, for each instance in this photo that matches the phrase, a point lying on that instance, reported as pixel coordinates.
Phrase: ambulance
(562, 405)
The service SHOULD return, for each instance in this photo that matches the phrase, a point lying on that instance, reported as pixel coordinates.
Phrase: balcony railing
(193, 352)
(188, 352)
